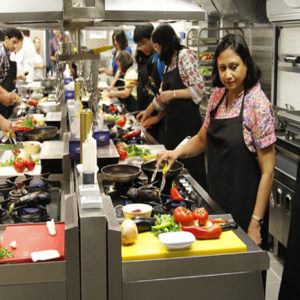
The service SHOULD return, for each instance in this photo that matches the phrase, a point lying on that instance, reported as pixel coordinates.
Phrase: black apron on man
(233, 171)
(183, 119)
(9, 84)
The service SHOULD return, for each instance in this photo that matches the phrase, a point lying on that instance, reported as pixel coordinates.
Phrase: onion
(129, 232)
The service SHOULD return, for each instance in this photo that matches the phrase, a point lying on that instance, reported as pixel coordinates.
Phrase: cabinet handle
(278, 196)
(288, 200)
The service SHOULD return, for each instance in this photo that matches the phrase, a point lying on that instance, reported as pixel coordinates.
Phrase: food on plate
(164, 223)
(129, 232)
(205, 232)
(183, 216)
(122, 153)
(134, 150)
(25, 124)
(201, 215)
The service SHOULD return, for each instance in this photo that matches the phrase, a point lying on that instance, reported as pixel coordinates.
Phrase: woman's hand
(165, 97)
(170, 156)
(254, 232)
(6, 126)
(150, 121)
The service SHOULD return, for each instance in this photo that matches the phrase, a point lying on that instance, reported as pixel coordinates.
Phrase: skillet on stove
(120, 172)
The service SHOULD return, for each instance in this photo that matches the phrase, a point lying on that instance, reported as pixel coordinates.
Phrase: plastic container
(89, 160)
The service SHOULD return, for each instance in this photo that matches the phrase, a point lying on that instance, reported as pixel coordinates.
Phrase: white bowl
(131, 211)
(177, 240)
(32, 147)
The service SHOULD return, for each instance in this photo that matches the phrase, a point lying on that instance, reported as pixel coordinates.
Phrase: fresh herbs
(164, 223)
(28, 122)
(134, 150)
(5, 253)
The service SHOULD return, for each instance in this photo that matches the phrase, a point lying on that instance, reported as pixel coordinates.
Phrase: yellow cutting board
(148, 246)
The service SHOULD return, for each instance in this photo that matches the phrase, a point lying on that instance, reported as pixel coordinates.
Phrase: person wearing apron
(8, 68)
(239, 135)
(181, 91)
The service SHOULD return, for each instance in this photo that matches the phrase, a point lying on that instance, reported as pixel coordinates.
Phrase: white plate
(177, 240)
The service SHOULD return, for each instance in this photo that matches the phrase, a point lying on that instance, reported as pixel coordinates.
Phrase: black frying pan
(41, 133)
(120, 173)
(149, 167)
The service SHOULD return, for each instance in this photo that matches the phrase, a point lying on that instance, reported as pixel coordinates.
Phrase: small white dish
(177, 240)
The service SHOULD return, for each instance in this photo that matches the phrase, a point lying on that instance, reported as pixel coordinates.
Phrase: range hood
(64, 12)
(253, 11)
(283, 10)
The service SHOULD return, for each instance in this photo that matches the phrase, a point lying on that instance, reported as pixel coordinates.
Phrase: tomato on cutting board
(183, 215)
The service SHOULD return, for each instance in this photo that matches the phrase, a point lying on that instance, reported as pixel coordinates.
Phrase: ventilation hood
(253, 11)
(283, 10)
(46, 13)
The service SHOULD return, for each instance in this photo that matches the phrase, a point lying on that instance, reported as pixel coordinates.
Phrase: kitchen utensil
(164, 172)
(41, 133)
(120, 172)
(149, 167)
(154, 174)
(134, 210)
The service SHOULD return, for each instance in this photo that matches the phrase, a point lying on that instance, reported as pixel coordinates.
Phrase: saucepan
(41, 133)
(120, 172)
(150, 166)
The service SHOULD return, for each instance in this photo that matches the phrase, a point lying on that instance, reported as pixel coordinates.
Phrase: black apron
(9, 84)
(183, 119)
(290, 287)
(233, 171)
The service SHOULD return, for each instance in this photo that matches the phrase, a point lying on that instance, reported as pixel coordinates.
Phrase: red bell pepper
(201, 215)
(175, 194)
(122, 153)
(131, 134)
(205, 232)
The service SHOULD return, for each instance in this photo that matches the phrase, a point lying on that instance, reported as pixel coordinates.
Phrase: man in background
(53, 47)
(26, 55)
(8, 71)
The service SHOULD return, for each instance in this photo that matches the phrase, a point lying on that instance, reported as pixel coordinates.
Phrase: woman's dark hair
(166, 37)
(142, 32)
(125, 59)
(236, 43)
(120, 37)
(13, 33)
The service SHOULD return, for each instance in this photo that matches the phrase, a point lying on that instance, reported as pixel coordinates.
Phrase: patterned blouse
(4, 63)
(189, 73)
(259, 121)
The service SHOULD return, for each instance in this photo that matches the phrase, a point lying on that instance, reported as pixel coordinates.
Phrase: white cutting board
(10, 171)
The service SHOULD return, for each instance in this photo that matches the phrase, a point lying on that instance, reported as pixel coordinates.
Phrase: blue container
(74, 150)
(67, 80)
(102, 137)
(69, 94)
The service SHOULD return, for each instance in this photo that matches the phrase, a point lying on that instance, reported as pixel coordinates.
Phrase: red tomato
(201, 215)
(30, 164)
(19, 164)
(121, 121)
(21, 128)
(112, 109)
(183, 216)
(32, 102)
(122, 153)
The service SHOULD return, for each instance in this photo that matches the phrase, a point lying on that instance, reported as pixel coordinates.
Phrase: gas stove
(140, 191)
(30, 200)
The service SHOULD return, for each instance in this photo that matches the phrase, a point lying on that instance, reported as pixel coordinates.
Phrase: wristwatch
(259, 220)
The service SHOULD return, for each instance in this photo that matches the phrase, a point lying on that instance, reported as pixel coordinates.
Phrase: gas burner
(16, 194)
(31, 214)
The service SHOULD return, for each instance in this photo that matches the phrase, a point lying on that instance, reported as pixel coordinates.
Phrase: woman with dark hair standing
(181, 92)
(120, 42)
(238, 135)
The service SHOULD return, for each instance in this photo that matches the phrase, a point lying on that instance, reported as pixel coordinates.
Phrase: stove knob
(288, 200)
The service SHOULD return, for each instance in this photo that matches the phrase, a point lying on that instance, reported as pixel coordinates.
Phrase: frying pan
(120, 172)
(41, 133)
(149, 167)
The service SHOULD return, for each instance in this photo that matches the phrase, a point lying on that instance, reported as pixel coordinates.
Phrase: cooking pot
(149, 167)
(120, 172)
(41, 133)
(49, 106)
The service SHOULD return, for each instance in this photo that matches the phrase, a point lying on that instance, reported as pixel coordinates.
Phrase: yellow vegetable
(129, 232)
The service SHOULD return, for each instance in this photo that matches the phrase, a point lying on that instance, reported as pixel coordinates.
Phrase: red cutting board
(30, 238)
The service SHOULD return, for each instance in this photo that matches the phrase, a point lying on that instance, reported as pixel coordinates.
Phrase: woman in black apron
(239, 180)
(9, 84)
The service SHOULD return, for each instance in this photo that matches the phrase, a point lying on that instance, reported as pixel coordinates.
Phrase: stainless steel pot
(120, 173)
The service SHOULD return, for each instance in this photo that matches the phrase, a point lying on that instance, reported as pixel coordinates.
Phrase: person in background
(38, 63)
(127, 95)
(120, 42)
(238, 135)
(8, 71)
(15, 56)
(26, 55)
(53, 47)
(150, 74)
(181, 92)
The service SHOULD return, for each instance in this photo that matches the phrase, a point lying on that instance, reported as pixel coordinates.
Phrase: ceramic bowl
(134, 210)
